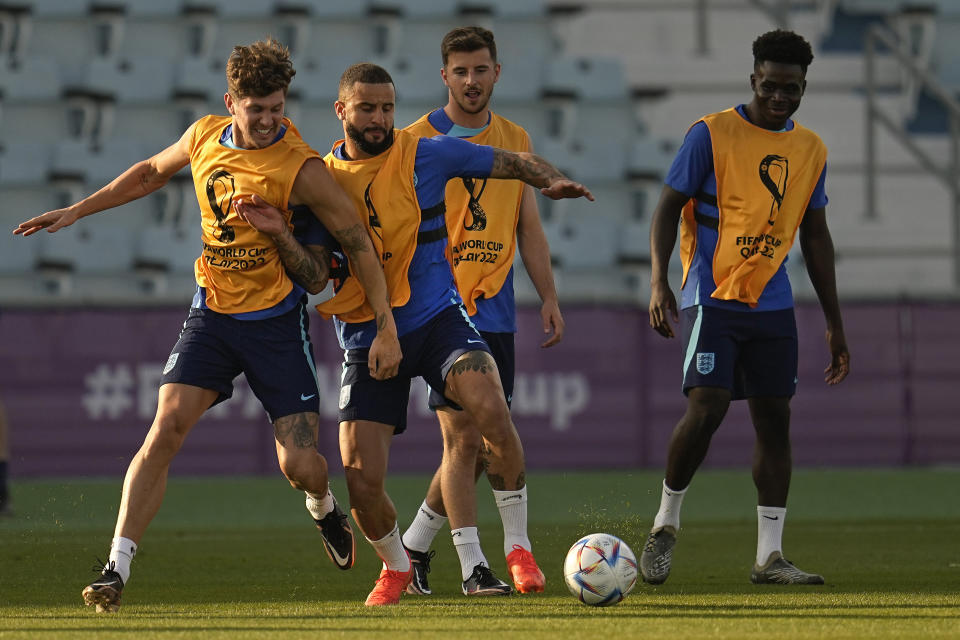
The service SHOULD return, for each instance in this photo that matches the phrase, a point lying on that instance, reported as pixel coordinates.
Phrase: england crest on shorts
(171, 363)
(705, 362)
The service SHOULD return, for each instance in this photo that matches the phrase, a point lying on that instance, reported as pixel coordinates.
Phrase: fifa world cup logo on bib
(773, 175)
(372, 218)
(479, 222)
(220, 190)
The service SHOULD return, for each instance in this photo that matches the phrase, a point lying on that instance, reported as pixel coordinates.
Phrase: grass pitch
(239, 558)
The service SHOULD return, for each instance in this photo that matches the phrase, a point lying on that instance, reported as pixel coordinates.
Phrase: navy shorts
(428, 351)
(275, 354)
(502, 348)
(751, 353)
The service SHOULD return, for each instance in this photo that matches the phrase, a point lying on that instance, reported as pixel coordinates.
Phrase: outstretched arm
(535, 252)
(663, 236)
(317, 189)
(536, 172)
(308, 265)
(141, 179)
(817, 246)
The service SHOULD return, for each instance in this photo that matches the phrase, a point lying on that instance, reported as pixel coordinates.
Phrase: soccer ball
(600, 569)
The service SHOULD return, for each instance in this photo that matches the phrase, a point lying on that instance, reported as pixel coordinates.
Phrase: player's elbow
(316, 286)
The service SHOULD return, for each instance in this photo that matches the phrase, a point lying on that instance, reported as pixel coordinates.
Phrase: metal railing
(881, 36)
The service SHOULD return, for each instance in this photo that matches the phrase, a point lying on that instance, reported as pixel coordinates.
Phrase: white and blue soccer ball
(600, 569)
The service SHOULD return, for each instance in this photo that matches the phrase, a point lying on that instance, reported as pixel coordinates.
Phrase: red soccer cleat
(527, 577)
(389, 586)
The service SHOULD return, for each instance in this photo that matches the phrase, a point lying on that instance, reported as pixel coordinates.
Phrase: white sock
(769, 532)
(424, 528)
(669, 514)
(467, 542)
(122, 551)
(513, 513)
(319, 506)
(391, 551)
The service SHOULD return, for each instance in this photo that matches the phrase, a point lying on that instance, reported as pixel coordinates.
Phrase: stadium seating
(31, 79)
(102, 85)
(25, 163)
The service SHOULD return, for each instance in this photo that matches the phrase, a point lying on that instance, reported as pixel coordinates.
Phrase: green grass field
(239, 558)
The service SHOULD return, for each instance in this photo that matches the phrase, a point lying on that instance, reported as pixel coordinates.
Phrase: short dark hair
(259, 69)
(785, 47)
(365, 73)
(467, 39)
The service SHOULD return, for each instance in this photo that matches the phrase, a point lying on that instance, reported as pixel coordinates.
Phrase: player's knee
(300, 470)
(491, 415)
(463, 444)
(365, 488)
(166, 437)
(705, 411)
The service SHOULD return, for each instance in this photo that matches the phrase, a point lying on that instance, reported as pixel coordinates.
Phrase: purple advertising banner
(80, 389)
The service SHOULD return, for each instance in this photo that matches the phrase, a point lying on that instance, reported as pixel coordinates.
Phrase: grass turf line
(239, 558)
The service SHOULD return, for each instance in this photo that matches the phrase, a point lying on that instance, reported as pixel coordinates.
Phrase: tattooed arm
(141, 179)
(536, 172)
(308, 265)
(317, 189)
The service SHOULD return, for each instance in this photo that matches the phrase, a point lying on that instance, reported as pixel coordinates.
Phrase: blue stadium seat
(871, 6)
(587, 159)
(166, 249)
(523, 48)
(201, 77)
(648, 159)
(582, 235)
(947, 7)
(946, 52)
(153, 8)
(33, 79)
(521, 77)
(243, 9)
(25, 163)
(421, 9)
(633, 241)
(58, 8)
(17, 254)
(418, 79)
(77, 158)
(514, 9)
(588, 78)
(130, 80)
(90, 247)
(335, 10)
(318, 80)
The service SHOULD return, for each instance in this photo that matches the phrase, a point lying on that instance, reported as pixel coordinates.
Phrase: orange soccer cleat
(526, 575)
(389, 586)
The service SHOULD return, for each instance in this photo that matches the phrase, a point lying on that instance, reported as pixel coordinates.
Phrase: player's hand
(51, 221)
(566, 188)
(384, 358)
(663, 308)
(839, 365)
(261, 215)
(552, 323)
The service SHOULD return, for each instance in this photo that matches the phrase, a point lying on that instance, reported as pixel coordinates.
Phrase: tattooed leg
(473, 382)
(297, 453)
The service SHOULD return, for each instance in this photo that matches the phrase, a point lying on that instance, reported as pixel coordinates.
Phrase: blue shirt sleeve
(694, 161)
(819, 198)
(443, 157)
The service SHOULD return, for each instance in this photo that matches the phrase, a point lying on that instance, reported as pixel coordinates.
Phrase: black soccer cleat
(657, 555)
(482, 582)
(104, 592)
(779, 570)
(337, 536)
(421, 567)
